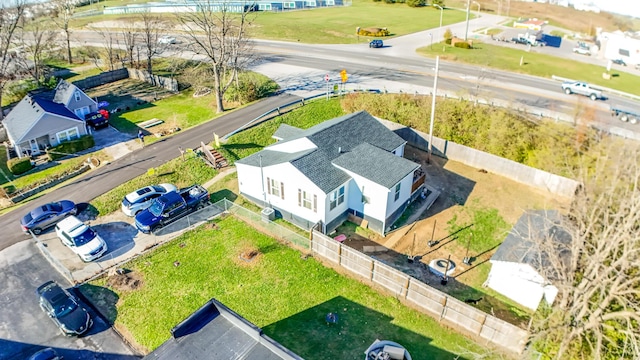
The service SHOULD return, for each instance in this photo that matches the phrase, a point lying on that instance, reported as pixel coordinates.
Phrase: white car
(142, 198)
(81, 239)
(167, 40)
(581, 50)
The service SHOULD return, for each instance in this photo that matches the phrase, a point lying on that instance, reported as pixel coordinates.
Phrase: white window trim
(337, 198)
(65, 133)
(397, 194)
(274, 187)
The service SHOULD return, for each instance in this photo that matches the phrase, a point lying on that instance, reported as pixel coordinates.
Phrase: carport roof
(216, 332)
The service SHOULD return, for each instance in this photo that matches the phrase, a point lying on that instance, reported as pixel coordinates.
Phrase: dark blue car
(47, 215)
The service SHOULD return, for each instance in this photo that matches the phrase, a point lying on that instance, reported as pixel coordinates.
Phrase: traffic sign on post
(326, 78)
(344, 76)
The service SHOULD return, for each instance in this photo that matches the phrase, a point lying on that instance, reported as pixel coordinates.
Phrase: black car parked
(376, 43)
(619, 62)
(63, 309)
(47, 215)
(96, 120)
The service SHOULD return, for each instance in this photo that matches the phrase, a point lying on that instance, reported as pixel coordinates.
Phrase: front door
(35, 150)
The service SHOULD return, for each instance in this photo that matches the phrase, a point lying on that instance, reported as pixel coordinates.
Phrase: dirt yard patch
(128, 94)
(461, 187)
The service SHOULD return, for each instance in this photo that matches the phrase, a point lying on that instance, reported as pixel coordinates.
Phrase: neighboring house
(531, 24)
(215, 332)
(348, 165)
(44, 120)
(620, 45)
(516, 267)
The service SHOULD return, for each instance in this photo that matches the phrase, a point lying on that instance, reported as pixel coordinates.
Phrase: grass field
(285, 294)
(505, 58)
(338, 25)
(332, 25)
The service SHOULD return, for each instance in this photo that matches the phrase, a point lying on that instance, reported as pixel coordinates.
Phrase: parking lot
(123, 240)
(25, 328)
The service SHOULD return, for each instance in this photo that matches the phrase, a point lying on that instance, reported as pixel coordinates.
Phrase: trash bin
(268, 214)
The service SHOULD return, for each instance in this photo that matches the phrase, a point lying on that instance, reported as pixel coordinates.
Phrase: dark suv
(96, 120)
(63, 309)
(376, 44)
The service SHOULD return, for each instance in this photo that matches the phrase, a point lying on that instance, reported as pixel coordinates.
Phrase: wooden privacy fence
(431, 301)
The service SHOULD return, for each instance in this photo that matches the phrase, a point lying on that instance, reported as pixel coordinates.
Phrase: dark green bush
(416, 3)
(447, 41)
(71, 147)
(250, 87)
(18, 166)
(463, 45)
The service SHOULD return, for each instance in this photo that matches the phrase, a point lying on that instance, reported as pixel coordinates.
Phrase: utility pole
(466, 29)
(433, 108)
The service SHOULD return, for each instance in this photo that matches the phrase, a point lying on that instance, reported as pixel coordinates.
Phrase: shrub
(448, 34)
(18, 166)
(462, 45)
(390, 1)
(447, 41)
(71, 147)
(416, 3)
(251, 87)
(377, 32)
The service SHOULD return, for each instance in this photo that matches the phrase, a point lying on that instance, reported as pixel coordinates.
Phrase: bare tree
(64, 11)
(597, 314)
(152, 29)
(10, 20)
(110, 45)
(35, 42)
(220, 35)
(129, 38)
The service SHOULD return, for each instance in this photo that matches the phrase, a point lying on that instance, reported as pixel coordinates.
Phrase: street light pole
(431, 42)
(433, 108)
(466, 29)
(440, 28)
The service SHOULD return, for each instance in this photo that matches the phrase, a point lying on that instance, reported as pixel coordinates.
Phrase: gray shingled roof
(286, 131)
(333, 138)
(64, 92)
(375, 164)
(28, 111)
(317, 167)
(214, 332)
(519, 245)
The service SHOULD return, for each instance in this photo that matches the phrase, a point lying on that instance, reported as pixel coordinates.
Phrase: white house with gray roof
(45, 120)
(348, 165)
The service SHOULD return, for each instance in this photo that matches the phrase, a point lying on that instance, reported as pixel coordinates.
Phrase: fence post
(371, 270)
(444, 308)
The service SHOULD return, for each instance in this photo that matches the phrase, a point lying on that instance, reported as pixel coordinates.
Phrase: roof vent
(339, 149)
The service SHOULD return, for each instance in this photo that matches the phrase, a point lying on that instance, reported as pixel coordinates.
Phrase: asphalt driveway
(25, 328)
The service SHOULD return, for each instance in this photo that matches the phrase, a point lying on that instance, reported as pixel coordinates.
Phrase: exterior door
(35, 150)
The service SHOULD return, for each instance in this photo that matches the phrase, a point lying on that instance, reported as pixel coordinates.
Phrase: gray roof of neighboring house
(27, 112)
(375, 164)
(535, 225)
(333, 138)
(216, 332)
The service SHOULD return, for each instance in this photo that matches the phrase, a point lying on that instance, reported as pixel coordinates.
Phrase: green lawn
(286, 295)
(253, 140)
(332, 25)
(338, 25)
(505, 58)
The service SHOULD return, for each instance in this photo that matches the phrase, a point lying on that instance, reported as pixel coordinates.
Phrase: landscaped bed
(286, 294)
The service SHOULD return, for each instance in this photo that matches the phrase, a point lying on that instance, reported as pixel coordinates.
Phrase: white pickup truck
(582, 88)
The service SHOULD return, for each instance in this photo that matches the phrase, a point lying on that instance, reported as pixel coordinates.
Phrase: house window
(289, 5)
(337, 198)
(397, 192)
(77, 95)
(307, 200)
(275, 188)
(331, 2)
(67, 135)
(310, 3)
(264, 7)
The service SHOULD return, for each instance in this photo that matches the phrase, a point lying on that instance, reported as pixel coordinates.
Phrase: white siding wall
(400, 150)
(330, 215)
(376, 193)
(249, 180)
(405, 194)
(293, 146)
(518, 282)
(613, 42)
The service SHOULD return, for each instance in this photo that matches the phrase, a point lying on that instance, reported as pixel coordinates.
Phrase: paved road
(25, 328)
(137, 163)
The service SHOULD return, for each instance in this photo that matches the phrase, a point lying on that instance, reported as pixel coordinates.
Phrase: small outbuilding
(518, 266)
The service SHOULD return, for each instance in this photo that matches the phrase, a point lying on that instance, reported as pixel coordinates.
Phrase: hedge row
(19, 166)
(373, 32)
(71, 147)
